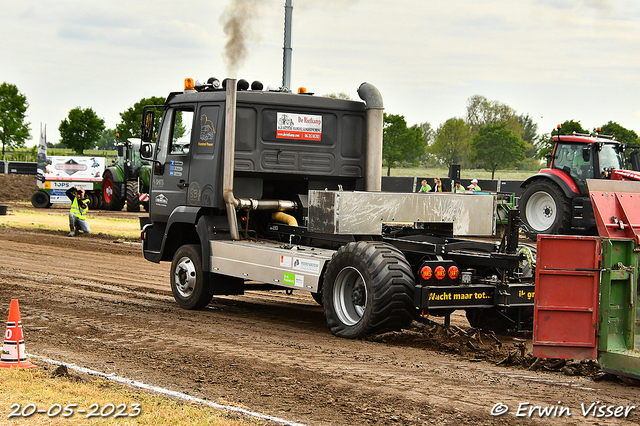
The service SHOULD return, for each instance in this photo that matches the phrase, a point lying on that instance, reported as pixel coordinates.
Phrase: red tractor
(556, 200)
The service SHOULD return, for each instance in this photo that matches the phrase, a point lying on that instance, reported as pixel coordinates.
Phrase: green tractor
(127, 179)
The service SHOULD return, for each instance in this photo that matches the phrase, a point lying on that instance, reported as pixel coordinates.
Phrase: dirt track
(98, 303)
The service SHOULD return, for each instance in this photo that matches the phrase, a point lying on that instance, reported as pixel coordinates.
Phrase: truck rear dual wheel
(190, 285)
(544, 209)
(368, 289)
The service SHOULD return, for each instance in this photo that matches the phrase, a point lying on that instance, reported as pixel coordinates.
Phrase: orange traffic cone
(13, 353)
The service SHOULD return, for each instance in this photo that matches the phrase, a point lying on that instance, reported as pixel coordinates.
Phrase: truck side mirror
(148, 119)
(586, 154)
(146, 151)
(120, 150)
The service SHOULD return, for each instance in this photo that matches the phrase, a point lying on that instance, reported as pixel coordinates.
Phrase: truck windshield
(611, 157)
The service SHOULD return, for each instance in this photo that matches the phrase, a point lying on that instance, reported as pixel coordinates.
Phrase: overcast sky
(553, 59)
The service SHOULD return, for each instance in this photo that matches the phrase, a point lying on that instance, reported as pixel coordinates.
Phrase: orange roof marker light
(188, 85)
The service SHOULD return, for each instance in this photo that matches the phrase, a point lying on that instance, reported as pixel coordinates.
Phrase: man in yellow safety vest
(78, 212)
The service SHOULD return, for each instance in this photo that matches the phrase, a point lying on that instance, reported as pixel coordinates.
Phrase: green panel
(619, 342)
(145, 174)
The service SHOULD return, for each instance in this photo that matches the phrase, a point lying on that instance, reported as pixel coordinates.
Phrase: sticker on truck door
(299, 126)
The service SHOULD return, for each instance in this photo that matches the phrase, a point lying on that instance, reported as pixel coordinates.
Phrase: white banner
(75, 168)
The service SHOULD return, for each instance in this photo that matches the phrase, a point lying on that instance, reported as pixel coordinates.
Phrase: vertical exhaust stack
(229, 158)
(286, 56)
(373, 160)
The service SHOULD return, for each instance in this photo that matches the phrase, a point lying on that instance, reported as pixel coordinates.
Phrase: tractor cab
(556, 200)
(582, 157)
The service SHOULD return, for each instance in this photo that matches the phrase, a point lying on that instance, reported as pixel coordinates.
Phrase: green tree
(81, 130)
(131, 119)
(107, 140)
(623, 135)
(428, 136)
(14, 130)
(481, 112)
(570, 126)
(545, 143)
(495, 146)
(451, 142)
(400, 143)
(529, 134)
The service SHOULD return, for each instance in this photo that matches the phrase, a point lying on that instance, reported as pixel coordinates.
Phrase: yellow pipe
(284, 218)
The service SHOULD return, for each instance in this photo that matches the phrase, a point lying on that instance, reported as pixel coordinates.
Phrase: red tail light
(453, 272)
(440, 272)
(426, 273)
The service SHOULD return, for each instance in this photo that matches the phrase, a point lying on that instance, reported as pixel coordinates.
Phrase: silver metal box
(363, 213)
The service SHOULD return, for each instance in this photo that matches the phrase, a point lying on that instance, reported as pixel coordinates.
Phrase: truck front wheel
(368, 289)
(544, 209)
(189, 283)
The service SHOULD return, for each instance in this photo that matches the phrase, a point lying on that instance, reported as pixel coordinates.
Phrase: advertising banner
(304, 127)
(63, 168)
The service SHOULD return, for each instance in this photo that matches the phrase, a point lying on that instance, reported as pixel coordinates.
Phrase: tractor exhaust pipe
(375, 114)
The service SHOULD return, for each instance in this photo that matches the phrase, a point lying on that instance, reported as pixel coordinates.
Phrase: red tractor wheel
(110, 193)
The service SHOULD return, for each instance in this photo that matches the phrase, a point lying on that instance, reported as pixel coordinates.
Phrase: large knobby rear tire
(368, 289)
(190, 285)
(133, 197)
(545, 209)
(111, 193)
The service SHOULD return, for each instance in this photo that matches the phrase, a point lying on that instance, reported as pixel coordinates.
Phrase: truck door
(171, 172)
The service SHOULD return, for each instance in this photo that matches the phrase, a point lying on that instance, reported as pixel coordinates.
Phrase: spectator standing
(437, 185)
(425, 186)
(474, 186)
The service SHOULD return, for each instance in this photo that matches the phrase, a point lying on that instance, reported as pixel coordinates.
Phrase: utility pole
(286, 67)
